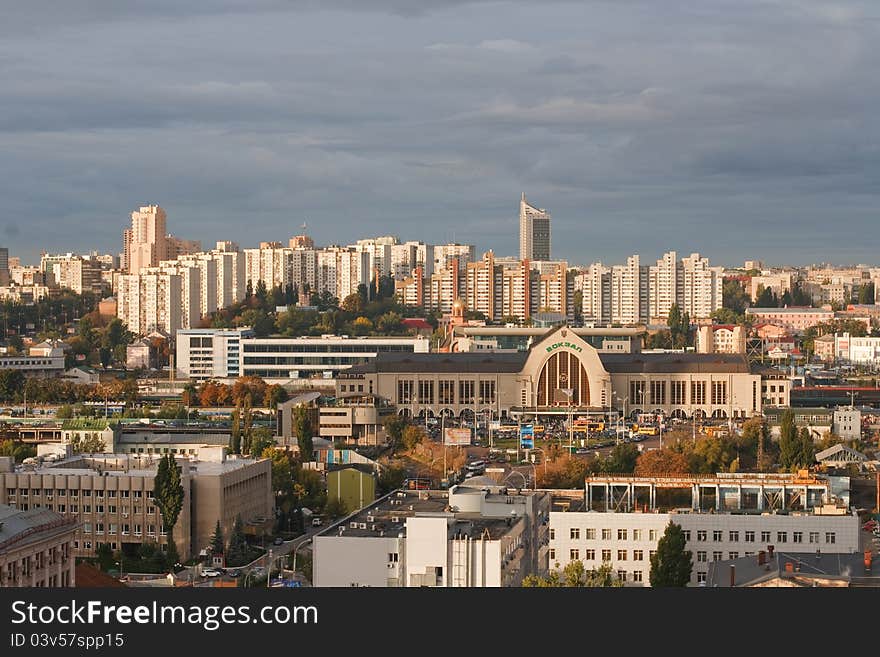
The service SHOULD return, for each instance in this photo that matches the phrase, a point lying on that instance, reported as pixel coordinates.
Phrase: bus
(417, 483)
(586, 424)
(648, 431)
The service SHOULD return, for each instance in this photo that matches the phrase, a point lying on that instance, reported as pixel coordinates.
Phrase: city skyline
(429, 119)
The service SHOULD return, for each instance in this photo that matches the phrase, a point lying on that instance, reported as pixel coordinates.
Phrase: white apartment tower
(444, 254)
(534, 232)
(702, 287)
(146, 244)
(666, 286)
(629, 292)
(409, 255)
(596, 290)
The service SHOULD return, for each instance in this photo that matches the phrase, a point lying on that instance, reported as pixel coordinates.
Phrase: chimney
(789, 567)
(762, 558)
(732, 576)
(868, 559)
(770, 551)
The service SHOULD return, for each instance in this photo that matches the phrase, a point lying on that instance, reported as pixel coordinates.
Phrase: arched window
(563, 370)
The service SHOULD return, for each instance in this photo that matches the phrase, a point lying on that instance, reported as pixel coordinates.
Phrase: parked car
(278, 541)
(210, 572)
(233, 572)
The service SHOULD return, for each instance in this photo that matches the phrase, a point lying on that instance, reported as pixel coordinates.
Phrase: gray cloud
(739, 128)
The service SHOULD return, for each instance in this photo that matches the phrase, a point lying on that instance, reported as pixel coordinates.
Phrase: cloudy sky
(736, 128)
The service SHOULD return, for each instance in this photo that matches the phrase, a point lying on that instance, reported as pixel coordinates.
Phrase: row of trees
(250, 390)
(365, 312)
(15, 386)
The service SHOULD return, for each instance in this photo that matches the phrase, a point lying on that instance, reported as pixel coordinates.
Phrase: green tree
(671, 564)
(335, 508)
(734, 297)
(361, 326)
(87, 443)
(218, 546)
(389, 323)
(575, 575)
(235, 434)
(766, 298)
(258, 320)
(353, 304)
(806, 449)
(412, 436)
(11, 382)
(866, 294)
(262, 438)
(789, 442)
(390, 479)
(64, 412)
(728, 316)
(104, 553)
(394, 427)
(168, 493)
(237, 552)
(302, 427)
(622, 459)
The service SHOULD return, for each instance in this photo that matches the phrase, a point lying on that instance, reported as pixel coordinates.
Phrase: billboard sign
(457, 436)
(527, 436)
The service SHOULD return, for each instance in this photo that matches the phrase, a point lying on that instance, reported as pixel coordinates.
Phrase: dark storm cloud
(738, 128)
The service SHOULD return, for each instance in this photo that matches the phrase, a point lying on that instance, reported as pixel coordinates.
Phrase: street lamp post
(543, 458)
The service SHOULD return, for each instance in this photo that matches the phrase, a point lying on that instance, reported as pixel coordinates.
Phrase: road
(258, 565)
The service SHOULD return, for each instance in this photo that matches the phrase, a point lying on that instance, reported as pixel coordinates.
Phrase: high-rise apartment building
(411, 290)
(444, 288)
(666, 281)
(702, 287)
(444, 254)
(74, 272)
(634, 294)
(595, 284)
(409, 255)
(176, 247)
(629, 292)
(146, 243)
(379, 251)
(4, 265)
(534, 232)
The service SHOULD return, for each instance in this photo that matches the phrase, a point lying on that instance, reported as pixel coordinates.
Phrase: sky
(741, 129)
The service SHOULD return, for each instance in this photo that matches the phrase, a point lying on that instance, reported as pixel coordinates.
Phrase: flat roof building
(723, 516)
(36, 548)
(526, 383)
(110, 496)
(476, 535)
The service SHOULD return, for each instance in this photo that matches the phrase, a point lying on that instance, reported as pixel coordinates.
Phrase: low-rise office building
(224, 353)
(36, 548)
(110, 496)
(476, 535)
(722, 517)
(359, 420)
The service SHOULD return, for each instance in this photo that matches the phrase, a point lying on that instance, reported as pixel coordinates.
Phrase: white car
(210, 572)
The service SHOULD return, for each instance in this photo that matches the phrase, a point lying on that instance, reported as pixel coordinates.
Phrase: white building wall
(355, 561)
(426, 548)
(844, 529)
